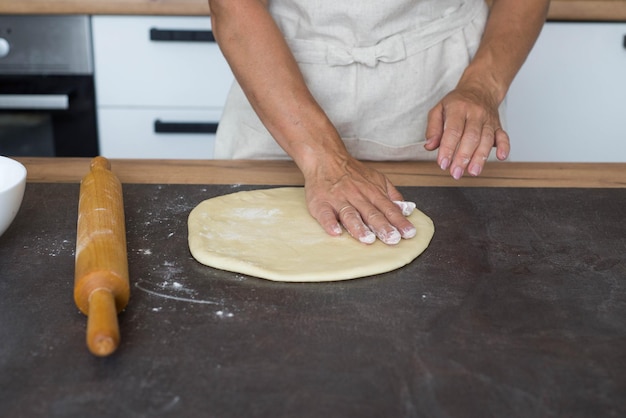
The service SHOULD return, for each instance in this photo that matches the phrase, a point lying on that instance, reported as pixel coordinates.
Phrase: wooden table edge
(571, 10)
(265, 172)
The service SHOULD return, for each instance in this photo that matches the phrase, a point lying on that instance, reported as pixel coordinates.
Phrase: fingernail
(391, 238)
(368, 238)
(429, 140)
(409, 233)
(457, 173)
(445, 163)
(475, 170)
(337, 229)
(407, 208)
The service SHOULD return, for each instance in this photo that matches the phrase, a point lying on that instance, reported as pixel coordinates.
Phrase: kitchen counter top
(516, 308)
(495, 174)
(559, 9)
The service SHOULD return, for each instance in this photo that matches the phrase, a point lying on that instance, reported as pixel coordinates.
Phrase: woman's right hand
(346, 192)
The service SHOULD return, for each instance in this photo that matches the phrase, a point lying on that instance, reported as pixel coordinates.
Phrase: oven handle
(35, 101)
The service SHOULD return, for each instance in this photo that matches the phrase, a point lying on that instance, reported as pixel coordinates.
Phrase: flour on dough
(270, 234)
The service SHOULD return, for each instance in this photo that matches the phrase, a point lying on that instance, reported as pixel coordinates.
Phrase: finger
(471, 139)
(385, 232)
(407, 208)
(482, 152)
(473, 136)
(406, 228)
(503, 144)
(327, 218)
(392, 192)
(452, 133)
(434, 127)
(388, 222)
(352, 221)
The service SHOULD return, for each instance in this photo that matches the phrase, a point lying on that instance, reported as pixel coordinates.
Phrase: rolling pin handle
(100, 162)
(103, 333)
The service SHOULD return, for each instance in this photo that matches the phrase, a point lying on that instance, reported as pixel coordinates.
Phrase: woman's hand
(465, 126)
(347, 192)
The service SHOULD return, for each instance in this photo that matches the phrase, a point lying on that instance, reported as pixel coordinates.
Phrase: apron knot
(388, 50)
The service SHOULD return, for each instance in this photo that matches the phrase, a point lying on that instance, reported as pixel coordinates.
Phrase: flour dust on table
(270, 234)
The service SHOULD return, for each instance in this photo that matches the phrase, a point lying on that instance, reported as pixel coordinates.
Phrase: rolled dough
(270, 234)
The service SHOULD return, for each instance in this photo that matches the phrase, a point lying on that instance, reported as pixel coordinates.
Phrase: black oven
(47, 97)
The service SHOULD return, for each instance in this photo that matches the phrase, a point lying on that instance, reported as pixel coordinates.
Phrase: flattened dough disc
(270, 234)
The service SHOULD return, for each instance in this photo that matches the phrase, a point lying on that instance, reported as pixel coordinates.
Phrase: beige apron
(375, 67)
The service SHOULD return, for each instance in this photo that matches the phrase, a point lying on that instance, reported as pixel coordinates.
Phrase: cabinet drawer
(158, 61)
(157, 133)
(567, 102)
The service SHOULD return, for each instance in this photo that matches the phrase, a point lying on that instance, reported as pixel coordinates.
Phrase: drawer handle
(35, 101)
(180, 35)
(185, 127)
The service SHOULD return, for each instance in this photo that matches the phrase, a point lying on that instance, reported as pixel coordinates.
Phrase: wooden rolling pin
(101, 286)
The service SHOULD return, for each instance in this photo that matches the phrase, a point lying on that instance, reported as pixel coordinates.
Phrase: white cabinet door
(157, 133)
(158, 61)
(568, 103)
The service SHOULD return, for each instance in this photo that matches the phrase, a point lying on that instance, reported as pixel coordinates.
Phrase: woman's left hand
(465, 126)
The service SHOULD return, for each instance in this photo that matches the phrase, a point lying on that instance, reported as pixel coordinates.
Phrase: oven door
(48, 116)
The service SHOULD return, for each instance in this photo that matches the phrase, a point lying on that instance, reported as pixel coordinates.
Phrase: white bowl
(12, 185)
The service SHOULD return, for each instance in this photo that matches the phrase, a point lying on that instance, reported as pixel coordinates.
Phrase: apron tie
(391, 49)
(388, 50)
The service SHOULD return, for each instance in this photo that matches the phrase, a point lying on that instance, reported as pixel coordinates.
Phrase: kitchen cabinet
(566, 104)
(568, 101)
(157, 133)
(151, 71)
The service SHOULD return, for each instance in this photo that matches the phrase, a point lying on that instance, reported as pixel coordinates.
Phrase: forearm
(511, 31)
(271, 79)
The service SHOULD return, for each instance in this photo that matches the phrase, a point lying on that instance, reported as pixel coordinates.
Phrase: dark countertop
(517, 308)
